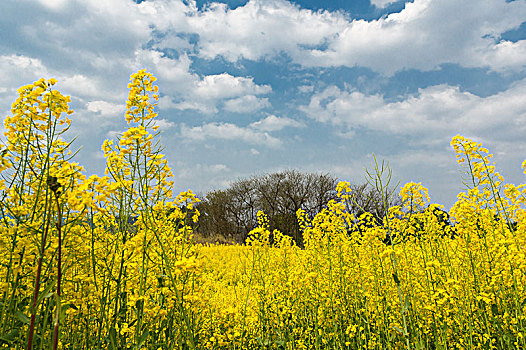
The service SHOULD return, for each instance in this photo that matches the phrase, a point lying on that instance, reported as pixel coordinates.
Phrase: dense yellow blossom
(132, 277)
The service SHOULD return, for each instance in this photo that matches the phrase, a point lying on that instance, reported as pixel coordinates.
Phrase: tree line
(230, 214)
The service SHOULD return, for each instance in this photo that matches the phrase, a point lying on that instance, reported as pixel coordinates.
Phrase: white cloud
(228, 131)
(113, 134)
(164, 124)
(227, 86)
(382, 3)
(306, 88)
(173, 42)
(205, 108)
(217, 168)
(432, 116)
(77, 34)
(261, 28)
(257, 133)
(185, 90)
(92, 47)
(18, 70)
(166, 102)
(504, 56)
(82, 86)
(273, 123)
(108, 40)
(336, 106)
(212, 176)
(246, 104)
(424, 35)
(55, 5)
(174, 75)
(105, 108)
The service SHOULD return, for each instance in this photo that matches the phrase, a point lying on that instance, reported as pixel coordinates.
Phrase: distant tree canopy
(232, 213)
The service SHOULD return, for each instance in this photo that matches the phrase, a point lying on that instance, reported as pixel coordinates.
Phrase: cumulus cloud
(55, 5)
(505, 55)
(256, 133)
(424, 35)
(173, 73)
(97, 36)
(261, 28)
(104, 43)
(89, 46)
(164, 124)
(228, 131)
(113, 134)
(92, 47)
(382, 3)
(203, 107)
(184, 89)
(81, 85)
(212, 176)
(17, 70)
(306, 88)
(246, 104)
(273, 123)
(434, 114)
(112, 39)
(13, 66)
(217, 168)
(105, 108)
(225, 85)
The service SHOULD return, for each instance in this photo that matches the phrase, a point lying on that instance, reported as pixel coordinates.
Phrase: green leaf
(398, 330)
(21, 317)
(143, 338)
(11, 336)
(113, 338)
(406, 306)
(45, 293)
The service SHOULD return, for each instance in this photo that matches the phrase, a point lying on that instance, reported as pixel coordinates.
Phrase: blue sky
(256, 86)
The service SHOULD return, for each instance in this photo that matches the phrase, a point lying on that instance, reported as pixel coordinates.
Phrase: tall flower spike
(140, 107)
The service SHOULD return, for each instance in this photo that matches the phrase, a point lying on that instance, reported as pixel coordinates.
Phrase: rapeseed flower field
(109, 262)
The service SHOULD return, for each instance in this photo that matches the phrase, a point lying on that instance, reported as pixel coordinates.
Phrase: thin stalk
(37, 284)
(59, 268)
(377, 177)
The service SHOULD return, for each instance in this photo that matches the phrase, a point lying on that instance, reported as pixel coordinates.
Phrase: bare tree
(233, 212)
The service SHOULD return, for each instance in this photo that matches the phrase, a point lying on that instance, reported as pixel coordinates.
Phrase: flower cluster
(109, 259)
(109, 262)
